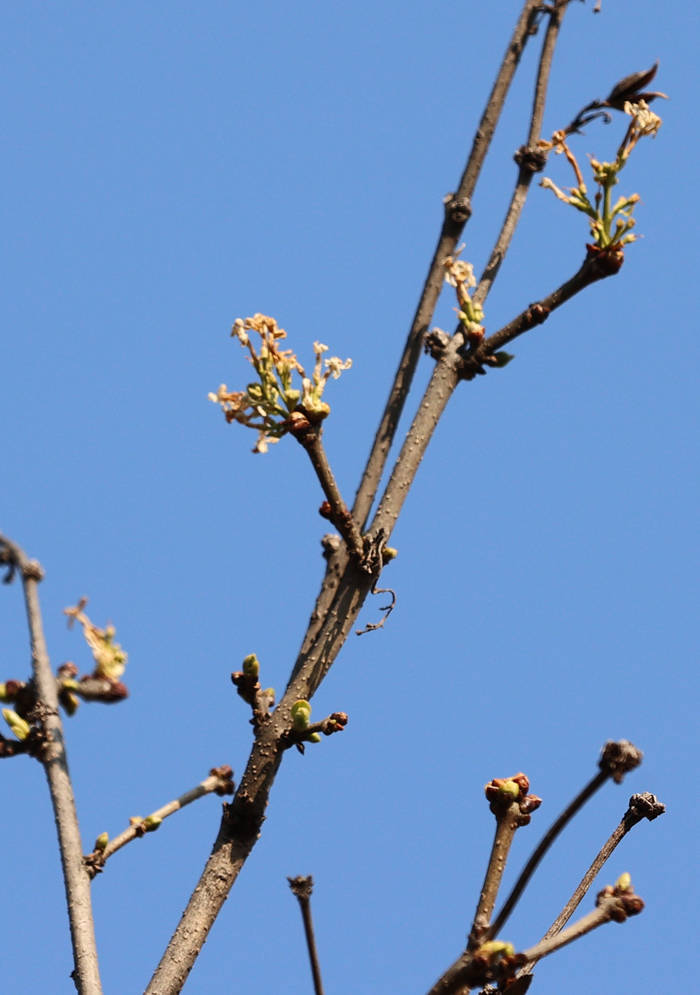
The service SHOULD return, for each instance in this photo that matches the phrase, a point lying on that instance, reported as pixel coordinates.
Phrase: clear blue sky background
(168, 167)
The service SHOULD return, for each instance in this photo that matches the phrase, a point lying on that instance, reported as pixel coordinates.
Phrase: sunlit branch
(54, 760)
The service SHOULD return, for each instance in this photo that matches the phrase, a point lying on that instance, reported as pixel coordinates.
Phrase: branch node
(435, 343)
(457, 209)
(645, 806)
(618, 758)
(301, 886)
(530, 158)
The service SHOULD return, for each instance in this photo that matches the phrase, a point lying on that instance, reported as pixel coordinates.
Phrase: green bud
(17, 724)
(70, 702)
(301, 713)
(314, 738)
(101, 842)
(389, 553)
(509, 789)
(251, 665)
(624, 882)
(151, 823)
(503, 358)
(494, 950)
(3, 693)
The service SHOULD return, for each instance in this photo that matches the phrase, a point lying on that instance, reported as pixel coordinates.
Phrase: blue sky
(168, 168)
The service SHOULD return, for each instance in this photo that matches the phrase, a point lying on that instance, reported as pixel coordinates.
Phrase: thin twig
(220, 781)
(617, 759)
(512, 807)
(53, 757)
(302, 888)
(507, 823)
(611, 908)
(542, 847)
(447, 374)
(529, 159)
(458, 209)
(641, 806)
(337, 511)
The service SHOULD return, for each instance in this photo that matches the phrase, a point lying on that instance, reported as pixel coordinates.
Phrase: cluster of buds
(247, 684)
(495, 959)
(19, 726)
(501, 792)
(619, 900)
(272, 405)
(303, 730)
(460, 275)
(610, 223)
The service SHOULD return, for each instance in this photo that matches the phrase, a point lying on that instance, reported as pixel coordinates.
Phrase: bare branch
(54, 760)
(512, 807)
(617, 758)
(302, 888)
(641, 806)
(613, 905)
(220, 782)
(529, 158)
(336, 510)
(457, 212)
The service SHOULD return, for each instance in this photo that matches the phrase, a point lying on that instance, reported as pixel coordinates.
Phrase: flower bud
(101, 842)
(624, 882)
(251, 665)
(19, 726)
(301, 713)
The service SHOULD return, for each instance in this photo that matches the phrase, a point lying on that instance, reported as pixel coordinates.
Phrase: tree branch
(616, 759)
(347, 579)
(220, 782)
(302, 888)
(457, 212)
(614, 905)
(529, 158)
(641, 806)
(336, 510)
(54, 760)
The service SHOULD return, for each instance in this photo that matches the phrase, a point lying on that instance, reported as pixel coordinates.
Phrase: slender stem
(586, 881)
(589, 272)
(438, 392)
(339, 515)
(219, 781)
(506, 825)
(458, 209)
(447, 374)
(605, 911)
(543, 846)
(53, 757)
(640, 807)
(302, 888)
(528, 160)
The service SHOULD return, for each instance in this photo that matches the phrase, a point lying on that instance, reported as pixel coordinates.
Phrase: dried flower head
(271, 404)
(110, 658)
